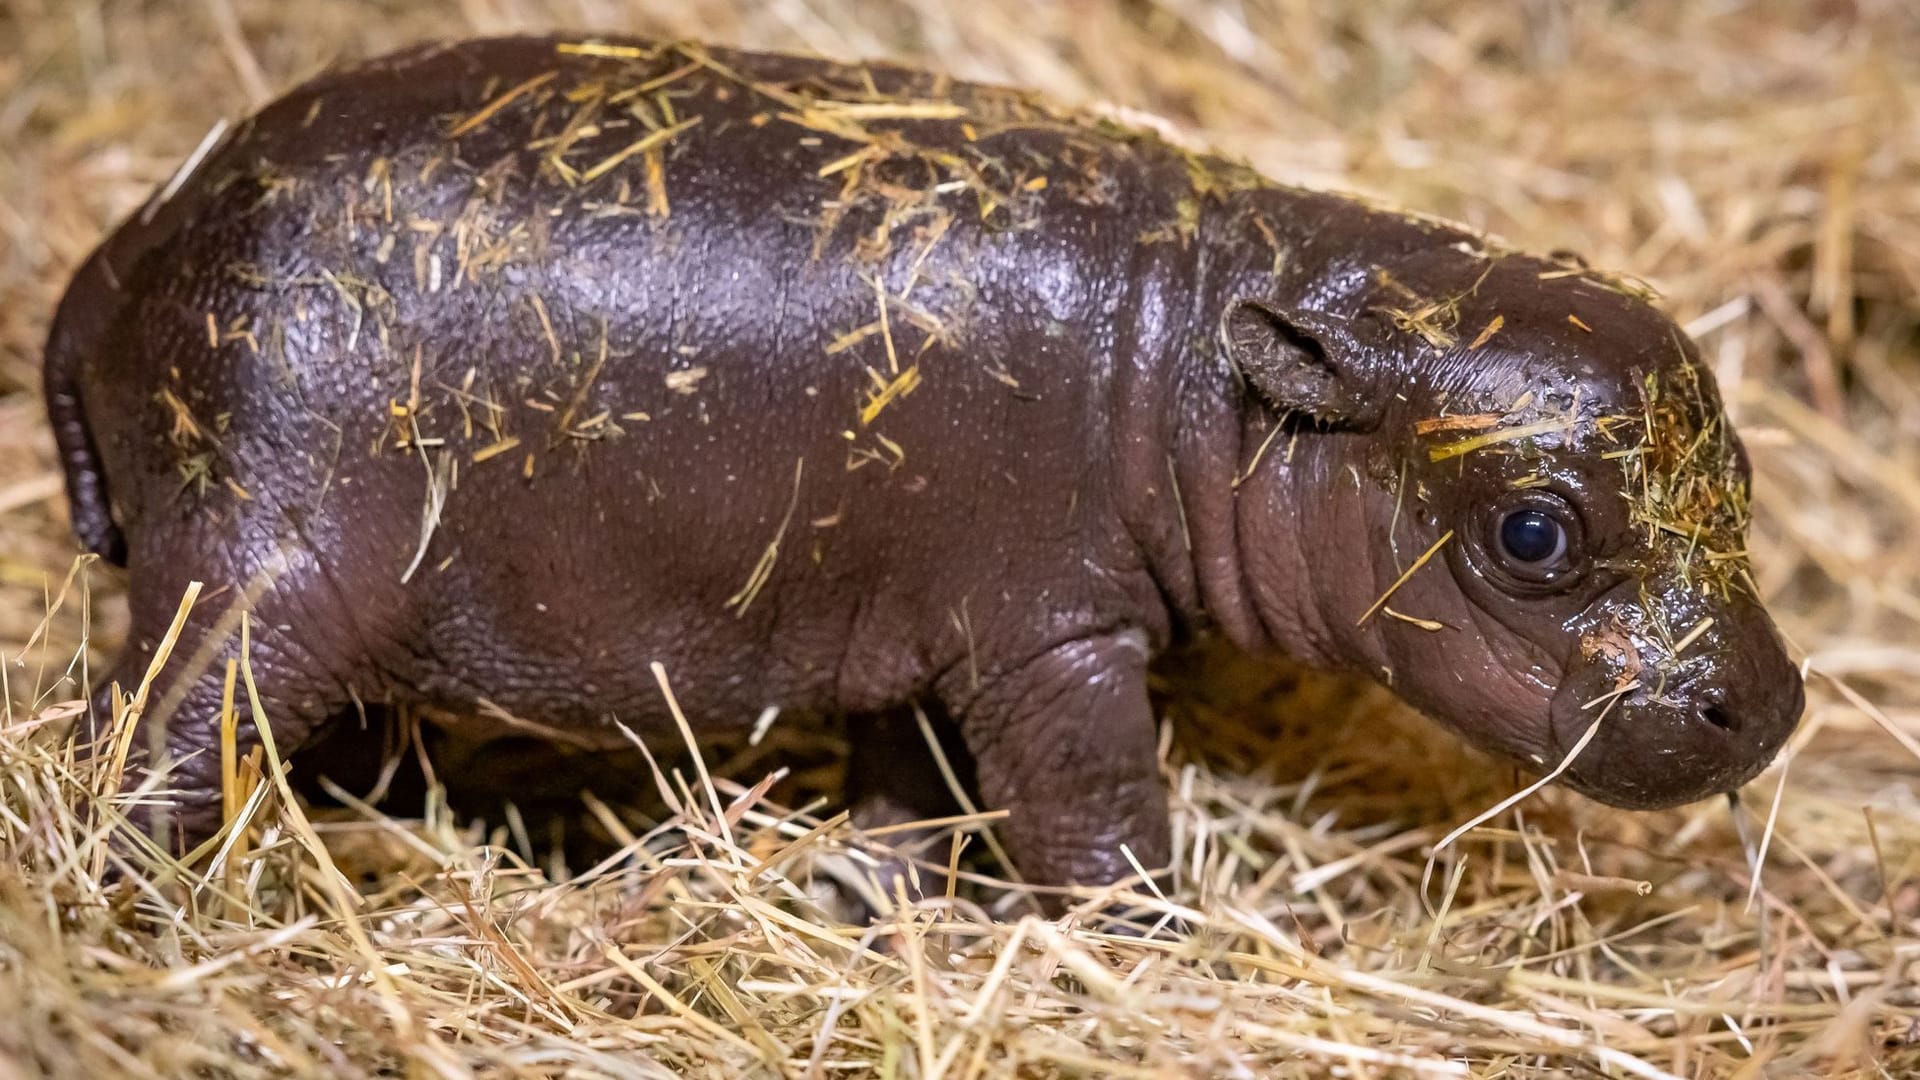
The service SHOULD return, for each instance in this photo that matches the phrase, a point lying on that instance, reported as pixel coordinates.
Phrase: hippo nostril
(1719, 717)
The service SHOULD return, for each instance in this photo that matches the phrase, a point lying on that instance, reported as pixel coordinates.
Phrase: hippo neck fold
(1231, 542)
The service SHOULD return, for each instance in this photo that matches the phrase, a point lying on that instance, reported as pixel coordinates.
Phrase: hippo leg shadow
(894, 780)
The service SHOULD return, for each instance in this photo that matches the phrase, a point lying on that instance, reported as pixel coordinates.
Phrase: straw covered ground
(1757, 160)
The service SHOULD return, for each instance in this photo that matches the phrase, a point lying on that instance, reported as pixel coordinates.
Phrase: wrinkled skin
(643, 382)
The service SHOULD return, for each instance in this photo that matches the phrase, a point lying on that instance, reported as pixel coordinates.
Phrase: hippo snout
(1701, 719)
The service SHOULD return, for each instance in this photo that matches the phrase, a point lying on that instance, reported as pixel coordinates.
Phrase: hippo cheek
(1704, 727)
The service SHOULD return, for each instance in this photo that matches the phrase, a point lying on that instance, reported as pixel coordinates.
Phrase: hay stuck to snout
(1756, 162)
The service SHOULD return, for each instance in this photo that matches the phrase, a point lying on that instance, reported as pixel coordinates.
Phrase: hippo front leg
(1066, 744)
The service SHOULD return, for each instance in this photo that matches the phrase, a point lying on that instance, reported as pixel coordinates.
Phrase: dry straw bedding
(1759, 162)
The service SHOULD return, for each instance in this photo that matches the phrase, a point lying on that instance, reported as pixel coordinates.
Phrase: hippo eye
(1533, 538)
(1533, 542)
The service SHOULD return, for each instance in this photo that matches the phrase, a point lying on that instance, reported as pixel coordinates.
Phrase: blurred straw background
(1757, 160)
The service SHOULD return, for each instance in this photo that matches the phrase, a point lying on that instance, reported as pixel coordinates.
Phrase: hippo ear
(1301, 362)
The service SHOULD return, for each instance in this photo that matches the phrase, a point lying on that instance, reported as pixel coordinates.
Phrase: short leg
(1066, 743)
(180, 727)
(893, 779)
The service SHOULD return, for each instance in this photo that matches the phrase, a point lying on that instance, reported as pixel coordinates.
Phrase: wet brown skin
(649, 383)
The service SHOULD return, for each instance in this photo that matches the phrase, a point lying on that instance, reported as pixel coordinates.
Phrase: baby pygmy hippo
(487, 375)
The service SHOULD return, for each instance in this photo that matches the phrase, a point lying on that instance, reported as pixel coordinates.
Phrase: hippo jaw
(1685, 698)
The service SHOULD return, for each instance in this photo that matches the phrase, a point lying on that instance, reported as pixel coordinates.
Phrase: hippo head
(1511, 493)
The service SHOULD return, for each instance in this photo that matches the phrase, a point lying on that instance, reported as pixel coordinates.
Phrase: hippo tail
(67, 349)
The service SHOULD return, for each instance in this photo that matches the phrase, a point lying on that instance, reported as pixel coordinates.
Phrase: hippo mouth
(1654, 729)
(1649, 754)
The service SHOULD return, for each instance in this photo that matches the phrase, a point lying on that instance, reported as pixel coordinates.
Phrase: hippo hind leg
(308, 659)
